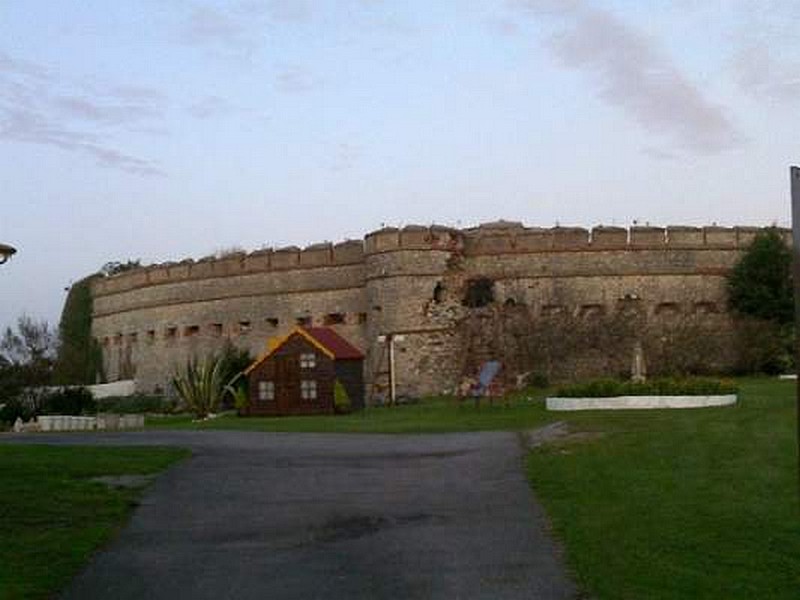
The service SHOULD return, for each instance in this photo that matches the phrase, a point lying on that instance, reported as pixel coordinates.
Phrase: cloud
(210, 106)
(209, 26)
(294, 79)
(289, 11)
(16, 66)
(632, 73)
(36, 107)
(27, 126)
(761, 75)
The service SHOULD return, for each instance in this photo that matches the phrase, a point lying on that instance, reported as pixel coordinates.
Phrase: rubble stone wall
(409, 282)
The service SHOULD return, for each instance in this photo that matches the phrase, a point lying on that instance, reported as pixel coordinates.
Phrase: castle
(451, 295)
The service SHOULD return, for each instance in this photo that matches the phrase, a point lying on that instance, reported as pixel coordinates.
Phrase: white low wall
(639, 402)
(101, 422)
(126, 387)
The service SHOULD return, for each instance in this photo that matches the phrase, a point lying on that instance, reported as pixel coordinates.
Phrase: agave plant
(201, 385)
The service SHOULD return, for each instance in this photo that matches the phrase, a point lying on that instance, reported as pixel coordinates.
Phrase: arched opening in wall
(272, 322)
(216, 329)
(151, 336)
(334, 319)
(630, 304)
(244, 327)
(438, 292)
(171, 333)
(510, 303)
(705, 308)
(667, 309)
(553, 310)
(591, 311)
(303, 321)
(479, 292)
(191, 330)
(133, 338)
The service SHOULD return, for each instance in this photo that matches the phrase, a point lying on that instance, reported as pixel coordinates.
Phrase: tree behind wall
(760, 284)
(760, 293)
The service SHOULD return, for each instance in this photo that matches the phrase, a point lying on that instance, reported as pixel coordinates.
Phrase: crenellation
(606, 237)
(570, 238)
(647, 237)
(685, 237)
(348, 252)
(317, 255)
(745, 236)
(534, 239)
(286, 258)
(720, 237)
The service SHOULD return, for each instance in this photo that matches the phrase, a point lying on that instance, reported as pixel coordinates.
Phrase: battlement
(500, 237)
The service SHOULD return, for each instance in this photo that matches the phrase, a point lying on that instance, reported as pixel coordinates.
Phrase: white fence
(102, 422)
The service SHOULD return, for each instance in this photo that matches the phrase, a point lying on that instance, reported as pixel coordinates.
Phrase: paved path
(273, 516)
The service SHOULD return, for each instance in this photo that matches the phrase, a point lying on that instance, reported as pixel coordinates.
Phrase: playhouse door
(288, 379)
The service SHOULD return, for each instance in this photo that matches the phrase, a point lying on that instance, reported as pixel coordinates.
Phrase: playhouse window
(266, 390)
(308, 361)
(308, 390)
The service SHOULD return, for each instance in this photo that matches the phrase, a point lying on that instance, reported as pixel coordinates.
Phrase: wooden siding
(283, 368)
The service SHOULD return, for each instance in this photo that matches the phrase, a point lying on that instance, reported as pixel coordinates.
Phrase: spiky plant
(201, 385)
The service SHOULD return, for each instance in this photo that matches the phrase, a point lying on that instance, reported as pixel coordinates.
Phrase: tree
(760, 284)
(27, 353)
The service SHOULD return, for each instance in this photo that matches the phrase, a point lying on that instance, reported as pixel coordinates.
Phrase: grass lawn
(699, 503)
(431, 416)
(52, 517)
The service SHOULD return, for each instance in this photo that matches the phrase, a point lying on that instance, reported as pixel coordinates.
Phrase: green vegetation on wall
(80, 358)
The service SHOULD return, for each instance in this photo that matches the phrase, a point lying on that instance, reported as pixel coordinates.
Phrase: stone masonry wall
(409, 281)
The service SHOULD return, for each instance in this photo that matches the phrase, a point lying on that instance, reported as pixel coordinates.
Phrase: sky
(158, 131)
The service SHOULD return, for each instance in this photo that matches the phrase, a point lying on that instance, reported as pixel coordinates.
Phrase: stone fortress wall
(408, 281)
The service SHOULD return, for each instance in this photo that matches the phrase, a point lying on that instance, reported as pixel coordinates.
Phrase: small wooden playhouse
(298, 374)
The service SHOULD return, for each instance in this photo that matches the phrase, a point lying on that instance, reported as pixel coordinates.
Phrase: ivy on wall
(80, 359)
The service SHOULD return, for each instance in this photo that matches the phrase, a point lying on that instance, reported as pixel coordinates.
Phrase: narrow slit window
(334, 319)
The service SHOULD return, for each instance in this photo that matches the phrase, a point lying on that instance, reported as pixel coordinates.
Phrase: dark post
(794, 176)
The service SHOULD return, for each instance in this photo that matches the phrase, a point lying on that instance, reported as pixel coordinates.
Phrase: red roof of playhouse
(324, 338)
(336, 344)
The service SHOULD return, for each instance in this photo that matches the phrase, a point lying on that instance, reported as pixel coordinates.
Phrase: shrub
(341, 400)
(137, 403)
(201, 385)
(69, 401)
(15, 408)
(537, 381)
(606, 388)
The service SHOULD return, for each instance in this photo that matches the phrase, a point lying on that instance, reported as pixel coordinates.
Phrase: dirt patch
(124, 481)
(357, 526)
(557, 433)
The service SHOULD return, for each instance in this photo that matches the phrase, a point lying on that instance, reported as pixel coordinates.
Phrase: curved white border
(639, 402)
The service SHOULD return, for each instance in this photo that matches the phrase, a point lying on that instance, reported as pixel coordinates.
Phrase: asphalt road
(274, 516)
